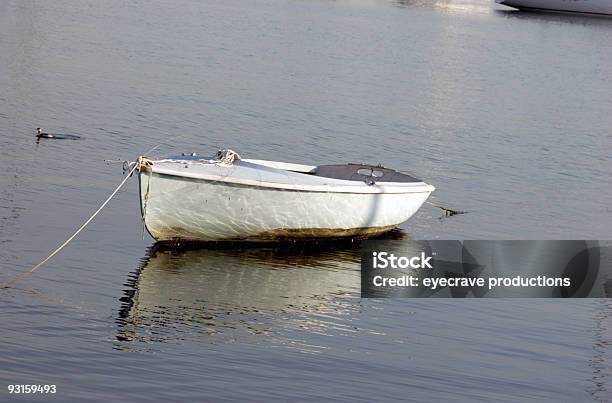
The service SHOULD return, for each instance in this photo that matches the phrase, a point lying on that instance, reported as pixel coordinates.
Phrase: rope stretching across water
(10, 283)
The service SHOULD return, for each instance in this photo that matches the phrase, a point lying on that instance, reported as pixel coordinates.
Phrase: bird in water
(56, 136)
(42, 134)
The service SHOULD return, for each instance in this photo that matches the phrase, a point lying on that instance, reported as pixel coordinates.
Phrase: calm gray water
(507, 114)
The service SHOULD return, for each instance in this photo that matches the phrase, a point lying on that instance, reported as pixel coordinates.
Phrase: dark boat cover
(361, 172)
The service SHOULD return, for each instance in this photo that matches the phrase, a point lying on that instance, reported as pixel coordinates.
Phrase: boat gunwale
(376, 188)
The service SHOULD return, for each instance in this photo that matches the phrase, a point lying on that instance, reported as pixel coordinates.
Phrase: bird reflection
(192, 293)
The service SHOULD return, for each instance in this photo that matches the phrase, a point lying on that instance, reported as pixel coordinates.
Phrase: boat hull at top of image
(573, 6)
(191, 199)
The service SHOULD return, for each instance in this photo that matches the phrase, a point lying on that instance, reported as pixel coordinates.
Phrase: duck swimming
(42, 134)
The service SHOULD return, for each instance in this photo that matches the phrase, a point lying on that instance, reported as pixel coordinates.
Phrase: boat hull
(574, 6)
(178, 209)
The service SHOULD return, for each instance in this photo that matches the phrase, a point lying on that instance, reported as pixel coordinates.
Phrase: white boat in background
(573, 6)
(189, 198)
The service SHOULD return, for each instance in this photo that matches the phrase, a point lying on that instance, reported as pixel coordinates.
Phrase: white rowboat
(189, 198)
(574, 6)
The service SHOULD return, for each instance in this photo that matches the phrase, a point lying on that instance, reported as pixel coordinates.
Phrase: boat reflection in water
(180, 294)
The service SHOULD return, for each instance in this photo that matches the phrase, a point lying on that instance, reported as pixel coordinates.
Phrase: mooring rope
(146, 202)
(133, 167)
(8, 284)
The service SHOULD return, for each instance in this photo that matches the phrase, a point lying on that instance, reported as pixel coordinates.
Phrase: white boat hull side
(187, 209)
(575, 6)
